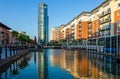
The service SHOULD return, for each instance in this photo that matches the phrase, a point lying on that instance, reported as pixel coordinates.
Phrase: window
(109, 10)
(109, 18)
(118, 13)
(119, 5)
(118, 24)
(103, 13)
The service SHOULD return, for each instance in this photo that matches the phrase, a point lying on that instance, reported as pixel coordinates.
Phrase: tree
(14, 33)
(31, 41)
(79, 41)
(25, 38)
(63, 40)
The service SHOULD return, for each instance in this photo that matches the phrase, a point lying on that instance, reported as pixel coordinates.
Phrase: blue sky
(22, 15)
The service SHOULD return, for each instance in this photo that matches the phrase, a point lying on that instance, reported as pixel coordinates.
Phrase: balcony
(107, 27)
(89, 31)
(93, 35)
(80, 22)
(97, 30)
(89, 22)
(73, 30)
(80, 34)
(89, 35)
(105, 33)
(105, 21)
(105, 14)
(89, 27)
(102, 29)
(101, 34)
(80, 29)
(97, 34)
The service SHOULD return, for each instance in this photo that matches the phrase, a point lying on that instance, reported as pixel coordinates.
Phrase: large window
(118, 24)
(119, 5)
(118, 13)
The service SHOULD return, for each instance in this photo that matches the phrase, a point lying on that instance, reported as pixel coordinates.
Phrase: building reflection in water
(14, 67)
(85, 65)
(79, 64)
(42, 65)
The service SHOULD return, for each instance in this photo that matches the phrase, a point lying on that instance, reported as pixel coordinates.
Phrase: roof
(100, 5)
(5, 26)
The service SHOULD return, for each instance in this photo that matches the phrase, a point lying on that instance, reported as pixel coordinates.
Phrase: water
(63, 64)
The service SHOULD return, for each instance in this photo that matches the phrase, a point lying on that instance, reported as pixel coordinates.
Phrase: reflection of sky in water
(62, 64)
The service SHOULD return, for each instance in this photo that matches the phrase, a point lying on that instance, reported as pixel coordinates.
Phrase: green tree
(25, 38)
(63, 40)
(30, 41)
(14, 33)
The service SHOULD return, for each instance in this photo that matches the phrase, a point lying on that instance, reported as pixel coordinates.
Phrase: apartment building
(70, 31)
(100, 26)
(103, 25)
(81, 26)
(4, 34)
(54, 34)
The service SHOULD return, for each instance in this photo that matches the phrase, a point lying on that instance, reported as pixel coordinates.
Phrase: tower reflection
(42, 65)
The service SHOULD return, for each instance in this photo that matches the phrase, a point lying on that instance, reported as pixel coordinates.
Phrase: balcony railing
(104, 33)
(107, 27)
(89, 31)
(89, 27)
(105, 14)
(89, 35)
(89, 22)
(105, 21)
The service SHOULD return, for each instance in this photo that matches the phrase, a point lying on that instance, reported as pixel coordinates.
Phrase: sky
(22, 15)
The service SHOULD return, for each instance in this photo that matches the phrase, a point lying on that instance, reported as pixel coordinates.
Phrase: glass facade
(43, 24)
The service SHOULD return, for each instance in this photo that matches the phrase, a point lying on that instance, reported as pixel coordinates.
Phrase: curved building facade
(43, 23)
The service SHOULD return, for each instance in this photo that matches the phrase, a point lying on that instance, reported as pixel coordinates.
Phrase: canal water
(62, 64)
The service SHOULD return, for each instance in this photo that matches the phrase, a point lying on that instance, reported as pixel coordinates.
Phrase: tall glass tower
(43, 23)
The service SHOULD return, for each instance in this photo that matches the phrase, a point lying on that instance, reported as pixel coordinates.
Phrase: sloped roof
(5, 26)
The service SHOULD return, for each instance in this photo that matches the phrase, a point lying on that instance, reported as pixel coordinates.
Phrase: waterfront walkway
(9, 54)
(4, 63)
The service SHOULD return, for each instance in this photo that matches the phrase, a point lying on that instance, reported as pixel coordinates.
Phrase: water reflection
(42, 65)
(63, 64)
(86, 65)
(14, 67)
